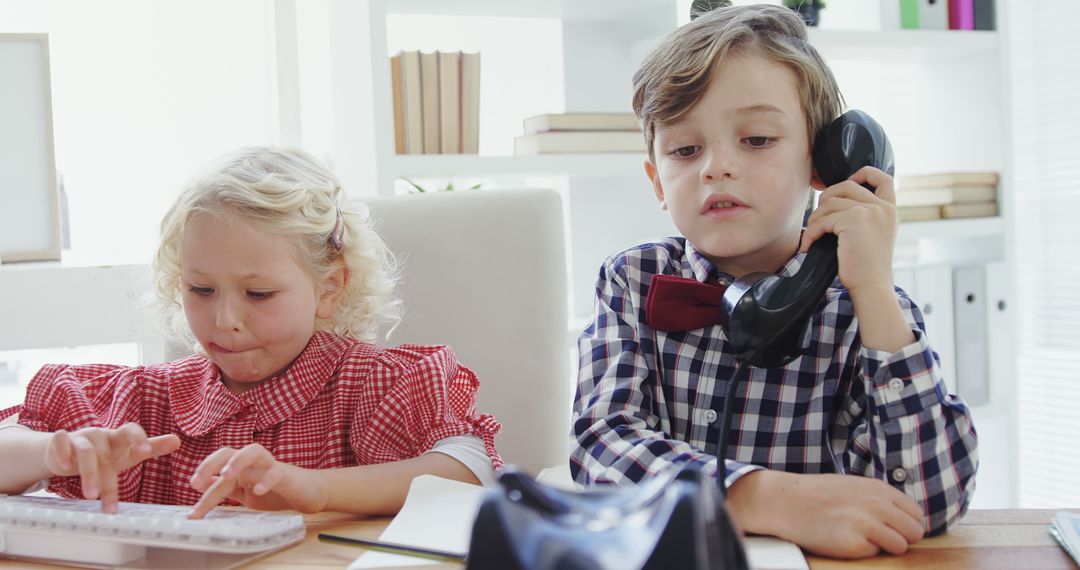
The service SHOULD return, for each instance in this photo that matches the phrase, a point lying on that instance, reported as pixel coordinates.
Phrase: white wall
(143, 93)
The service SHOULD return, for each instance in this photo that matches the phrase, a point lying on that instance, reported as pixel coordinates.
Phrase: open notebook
(438, 514)
(1065, 527)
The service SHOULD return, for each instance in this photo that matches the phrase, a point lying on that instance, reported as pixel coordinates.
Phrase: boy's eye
(757, 141)
(202, 291)
(260, 295)
(685, 151)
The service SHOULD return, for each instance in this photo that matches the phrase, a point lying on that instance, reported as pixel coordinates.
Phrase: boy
(729, 104)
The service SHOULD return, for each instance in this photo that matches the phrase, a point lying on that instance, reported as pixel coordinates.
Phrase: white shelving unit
(941, 96)
(459, 165)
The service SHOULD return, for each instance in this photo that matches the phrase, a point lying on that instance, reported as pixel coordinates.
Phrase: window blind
(1045, 80)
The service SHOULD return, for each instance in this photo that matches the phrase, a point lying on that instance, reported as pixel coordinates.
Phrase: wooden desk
(988, 539)
(985, 539)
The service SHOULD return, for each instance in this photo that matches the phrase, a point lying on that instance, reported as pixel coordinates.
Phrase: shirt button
(710, 416)
(898, 475)
(896, 384)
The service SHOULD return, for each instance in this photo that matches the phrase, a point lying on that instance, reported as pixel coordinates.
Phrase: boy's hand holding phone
(98, 455)
(865, 225)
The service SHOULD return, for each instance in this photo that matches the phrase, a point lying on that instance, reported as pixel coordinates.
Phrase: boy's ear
(658, 189)
(815, 180)
(333, 289)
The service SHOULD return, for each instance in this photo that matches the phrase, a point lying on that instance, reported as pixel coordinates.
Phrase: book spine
(398, 91)
(429, 79)
(934, 14)
(984, 14)
(961, 15)
(890, 14)
(909, 14)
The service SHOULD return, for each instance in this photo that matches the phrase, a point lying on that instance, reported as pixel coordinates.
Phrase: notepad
(1065, 528)
(439, 514)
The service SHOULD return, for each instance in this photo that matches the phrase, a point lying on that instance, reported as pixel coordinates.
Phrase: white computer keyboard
(77, 531)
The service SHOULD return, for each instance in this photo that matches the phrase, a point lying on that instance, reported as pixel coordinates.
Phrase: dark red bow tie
(679, 304)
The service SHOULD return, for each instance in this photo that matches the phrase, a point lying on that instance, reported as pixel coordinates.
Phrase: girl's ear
(333, 289)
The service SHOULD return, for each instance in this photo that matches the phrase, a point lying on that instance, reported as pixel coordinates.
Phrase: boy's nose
(719, 164)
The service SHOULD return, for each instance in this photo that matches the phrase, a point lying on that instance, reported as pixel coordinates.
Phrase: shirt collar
(703, 270)
(201, 402)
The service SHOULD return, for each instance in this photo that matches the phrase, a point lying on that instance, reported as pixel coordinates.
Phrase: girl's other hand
(97, 455)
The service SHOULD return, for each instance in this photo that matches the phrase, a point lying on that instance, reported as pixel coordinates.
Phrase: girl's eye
(201, 291)
(757, 142)
(685, 151)
(260, 295)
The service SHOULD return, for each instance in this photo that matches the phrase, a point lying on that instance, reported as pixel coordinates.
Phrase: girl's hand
(865, 225)
(252, 477)
(97, 455)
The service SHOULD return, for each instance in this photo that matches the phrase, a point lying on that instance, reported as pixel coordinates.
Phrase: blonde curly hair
(286, 192)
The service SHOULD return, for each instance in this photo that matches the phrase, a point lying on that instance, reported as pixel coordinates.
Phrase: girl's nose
(229, 316)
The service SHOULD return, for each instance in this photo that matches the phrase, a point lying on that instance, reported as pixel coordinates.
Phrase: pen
(395, 548)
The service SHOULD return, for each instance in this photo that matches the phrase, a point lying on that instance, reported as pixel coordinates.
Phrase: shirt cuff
(470, 451)
(736, 471)
(904, 382)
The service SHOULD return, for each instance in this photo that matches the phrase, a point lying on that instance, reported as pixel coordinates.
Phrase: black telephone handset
(765, 316)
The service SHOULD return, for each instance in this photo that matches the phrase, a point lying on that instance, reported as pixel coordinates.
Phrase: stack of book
(580, 132)
(947, 195)
(436, 102)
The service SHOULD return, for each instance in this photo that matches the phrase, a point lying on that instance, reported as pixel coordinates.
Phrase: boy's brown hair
(674, 77)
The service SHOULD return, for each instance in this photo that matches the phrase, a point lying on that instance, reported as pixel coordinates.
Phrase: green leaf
(418, 187)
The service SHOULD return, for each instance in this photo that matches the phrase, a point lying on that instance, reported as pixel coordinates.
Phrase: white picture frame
(29, 209)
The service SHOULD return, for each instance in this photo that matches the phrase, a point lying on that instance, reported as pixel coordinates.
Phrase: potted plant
(808, 9)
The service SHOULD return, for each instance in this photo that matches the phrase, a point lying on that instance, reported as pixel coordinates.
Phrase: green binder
(909, 14)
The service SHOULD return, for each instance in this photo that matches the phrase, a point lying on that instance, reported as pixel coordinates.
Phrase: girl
(286, 406)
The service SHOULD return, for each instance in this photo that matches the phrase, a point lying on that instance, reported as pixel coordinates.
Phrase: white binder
(970, 324)
(934, 294)
(934, 14)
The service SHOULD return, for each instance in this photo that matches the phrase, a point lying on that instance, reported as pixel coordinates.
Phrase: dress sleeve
(64, 397)
(414, 397)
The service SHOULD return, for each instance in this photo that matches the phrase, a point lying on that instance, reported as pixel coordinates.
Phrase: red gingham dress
(342, 403)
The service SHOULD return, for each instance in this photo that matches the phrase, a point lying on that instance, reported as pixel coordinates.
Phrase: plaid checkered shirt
(648, 401)
(341, 403)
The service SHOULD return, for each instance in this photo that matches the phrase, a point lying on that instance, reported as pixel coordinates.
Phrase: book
(919, 213)
(449, 102)
(961, 15)
(984, 14)
(945, 195)
(579, 141)
(933, 14)
(1065, 528)
(890, 14)
(398, 94)
(909, 14)
(582, 122)
(414, 112)
(969, 210)
(948, 179)
(470, 103)
(429, 100)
